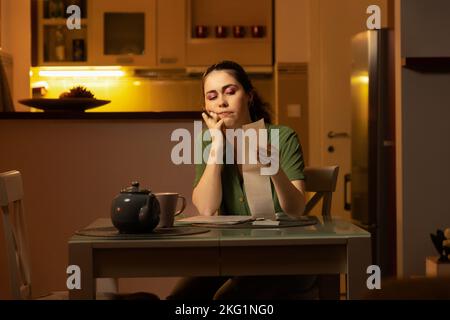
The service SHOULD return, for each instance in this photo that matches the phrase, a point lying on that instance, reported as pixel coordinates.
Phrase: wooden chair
(11, 197)
(322, 181)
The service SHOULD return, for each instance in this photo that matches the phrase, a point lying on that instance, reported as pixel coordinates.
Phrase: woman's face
(226, 97)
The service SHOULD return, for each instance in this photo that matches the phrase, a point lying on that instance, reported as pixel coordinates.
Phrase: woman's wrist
(277, 176)
(216, 151)
(215, 157)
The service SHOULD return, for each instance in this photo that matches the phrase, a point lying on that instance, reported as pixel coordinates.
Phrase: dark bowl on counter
(74, 105)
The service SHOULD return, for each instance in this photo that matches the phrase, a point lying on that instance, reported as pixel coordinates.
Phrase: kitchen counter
(187, 115)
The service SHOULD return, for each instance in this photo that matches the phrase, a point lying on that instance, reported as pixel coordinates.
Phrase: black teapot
(135, 210)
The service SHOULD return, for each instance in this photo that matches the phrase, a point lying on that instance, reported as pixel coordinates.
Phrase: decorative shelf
(246, 50)
(427, 64)
(230, 40)
(59, 21)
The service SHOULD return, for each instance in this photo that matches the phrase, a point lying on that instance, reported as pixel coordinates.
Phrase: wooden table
(330, 247)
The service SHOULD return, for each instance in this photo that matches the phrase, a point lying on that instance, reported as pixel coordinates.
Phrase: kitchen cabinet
(124, 32)
(143, 33)
(292, 19)
(160, 34)
(171, 34)
(206, 44)
(56, 44)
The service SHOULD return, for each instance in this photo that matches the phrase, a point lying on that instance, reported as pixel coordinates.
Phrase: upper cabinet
(123, 32)
(161, 34)
(233, 30)
(55, 43)
(171, 26)
(290, 15)
(141, 33)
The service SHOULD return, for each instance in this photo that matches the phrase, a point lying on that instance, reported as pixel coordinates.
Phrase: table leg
(80, 254)
(358, 259)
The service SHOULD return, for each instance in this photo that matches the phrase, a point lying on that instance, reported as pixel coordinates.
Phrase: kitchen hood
(194, 72)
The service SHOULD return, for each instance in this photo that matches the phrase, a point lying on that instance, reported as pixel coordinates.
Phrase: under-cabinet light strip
(81, 73)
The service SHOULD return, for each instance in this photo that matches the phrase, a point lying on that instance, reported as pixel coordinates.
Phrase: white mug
(168, 202)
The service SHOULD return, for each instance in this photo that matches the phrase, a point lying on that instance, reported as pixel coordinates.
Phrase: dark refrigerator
(373, 144)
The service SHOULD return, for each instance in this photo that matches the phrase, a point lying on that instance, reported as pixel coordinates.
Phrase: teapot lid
(135, 189)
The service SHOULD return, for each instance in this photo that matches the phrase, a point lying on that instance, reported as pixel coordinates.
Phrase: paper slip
(257, 187)
(233, 219)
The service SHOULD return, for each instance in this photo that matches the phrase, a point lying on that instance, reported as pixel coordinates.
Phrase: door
(333, 23)
(123, 32)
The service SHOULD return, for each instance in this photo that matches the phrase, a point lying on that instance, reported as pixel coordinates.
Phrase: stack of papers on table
(217, 219)
(265, 222)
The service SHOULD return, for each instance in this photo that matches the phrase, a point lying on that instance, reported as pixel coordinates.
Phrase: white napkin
(257, 186)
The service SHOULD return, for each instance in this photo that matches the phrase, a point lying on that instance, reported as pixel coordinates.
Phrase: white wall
(72, 169)
(424, 152)
(16, 40)
(426, 159)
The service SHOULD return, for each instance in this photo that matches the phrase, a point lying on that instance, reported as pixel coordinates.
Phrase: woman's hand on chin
(214, 123)
(212, 120)
(216, 128)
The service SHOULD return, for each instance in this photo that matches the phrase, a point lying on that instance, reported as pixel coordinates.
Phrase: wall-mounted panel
(425, 28)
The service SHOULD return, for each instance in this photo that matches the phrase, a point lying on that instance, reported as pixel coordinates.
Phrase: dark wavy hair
(258, 108)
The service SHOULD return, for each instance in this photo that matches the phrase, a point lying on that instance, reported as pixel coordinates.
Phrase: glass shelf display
(56, 43)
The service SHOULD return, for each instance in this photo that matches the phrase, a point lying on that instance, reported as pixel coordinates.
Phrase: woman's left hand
(267, 157)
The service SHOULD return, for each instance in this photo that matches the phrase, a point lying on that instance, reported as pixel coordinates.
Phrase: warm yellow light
(81, 73)
(137, 83)
(31, 73)
(40, 84)
(63, 68)
(363, 79)
(360, 79)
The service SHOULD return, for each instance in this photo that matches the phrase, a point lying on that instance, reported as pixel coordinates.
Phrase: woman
(230, 103)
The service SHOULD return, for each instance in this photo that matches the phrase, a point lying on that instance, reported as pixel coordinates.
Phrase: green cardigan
(234, 201)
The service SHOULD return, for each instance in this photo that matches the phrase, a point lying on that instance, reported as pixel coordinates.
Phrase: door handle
(125, 60)
(168, 60)
(347, 180)
(333, 134)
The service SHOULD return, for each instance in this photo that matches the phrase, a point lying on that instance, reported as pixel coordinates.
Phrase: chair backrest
(322, 181)
(11, 197)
